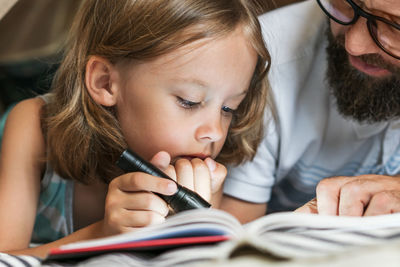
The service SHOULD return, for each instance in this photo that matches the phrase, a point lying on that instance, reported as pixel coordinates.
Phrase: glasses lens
(340, 10)
(387, 36)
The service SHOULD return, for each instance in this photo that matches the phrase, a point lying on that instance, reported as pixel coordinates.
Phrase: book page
(283, 235)
(199, 222)
(297, 235)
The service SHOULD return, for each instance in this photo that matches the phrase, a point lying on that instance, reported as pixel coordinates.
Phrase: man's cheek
(336, 28)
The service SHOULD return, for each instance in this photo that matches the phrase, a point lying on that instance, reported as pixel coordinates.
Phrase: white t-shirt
(310, 140)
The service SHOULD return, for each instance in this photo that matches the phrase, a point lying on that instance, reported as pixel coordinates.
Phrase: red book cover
(144, 245)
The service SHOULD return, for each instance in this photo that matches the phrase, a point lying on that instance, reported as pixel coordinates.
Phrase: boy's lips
(368, 69)
(190, 157)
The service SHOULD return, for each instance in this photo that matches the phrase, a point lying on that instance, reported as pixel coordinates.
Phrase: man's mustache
(378, 61)
(371, 59)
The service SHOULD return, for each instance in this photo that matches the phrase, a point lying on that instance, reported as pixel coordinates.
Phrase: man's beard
(358, 95)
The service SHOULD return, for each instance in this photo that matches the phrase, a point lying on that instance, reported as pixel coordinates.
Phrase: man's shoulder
(301, 12)
(293, 31)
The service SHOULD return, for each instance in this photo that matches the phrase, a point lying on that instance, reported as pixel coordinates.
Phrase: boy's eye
(228, 109)
(187, 104)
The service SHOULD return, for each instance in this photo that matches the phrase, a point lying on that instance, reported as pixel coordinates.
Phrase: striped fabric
(18, 261)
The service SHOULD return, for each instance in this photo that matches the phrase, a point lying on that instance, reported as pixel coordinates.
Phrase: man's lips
(368, 69)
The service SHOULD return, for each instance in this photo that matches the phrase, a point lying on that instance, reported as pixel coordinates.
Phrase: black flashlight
(183, 199)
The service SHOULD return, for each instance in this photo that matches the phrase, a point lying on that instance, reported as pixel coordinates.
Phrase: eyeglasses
(384, 32)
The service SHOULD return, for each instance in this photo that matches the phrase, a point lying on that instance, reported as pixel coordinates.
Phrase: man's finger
(309, 207)
(328, 194)
(385, 202)
(350, 196)
(355, 196)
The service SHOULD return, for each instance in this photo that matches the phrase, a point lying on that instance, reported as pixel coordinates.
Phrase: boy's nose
(210, 130)
(358, 40)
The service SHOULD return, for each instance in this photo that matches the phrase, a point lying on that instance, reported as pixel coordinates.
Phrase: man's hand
(363, 195)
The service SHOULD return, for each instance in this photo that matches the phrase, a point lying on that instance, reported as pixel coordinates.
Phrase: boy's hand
(202, 176)
(131, 203)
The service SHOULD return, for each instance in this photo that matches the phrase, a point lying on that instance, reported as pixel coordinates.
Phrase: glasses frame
(371, 22)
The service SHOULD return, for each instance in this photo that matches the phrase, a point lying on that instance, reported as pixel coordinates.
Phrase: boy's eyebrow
(194, 81)
(203, 84)
(243, 92)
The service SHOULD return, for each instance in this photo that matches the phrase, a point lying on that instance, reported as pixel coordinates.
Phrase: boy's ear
(101, 81)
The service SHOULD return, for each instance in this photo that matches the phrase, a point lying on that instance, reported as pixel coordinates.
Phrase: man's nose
(358, 40)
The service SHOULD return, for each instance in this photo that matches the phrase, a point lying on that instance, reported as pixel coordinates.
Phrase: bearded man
(335, 133)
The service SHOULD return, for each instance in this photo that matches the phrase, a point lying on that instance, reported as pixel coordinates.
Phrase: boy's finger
(184, 173)
(202, 178)
(140, 218)
(218, 173)
(138, 181)
(138, 201)
(161, 160)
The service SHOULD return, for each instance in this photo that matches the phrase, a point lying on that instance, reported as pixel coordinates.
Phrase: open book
(187, 236)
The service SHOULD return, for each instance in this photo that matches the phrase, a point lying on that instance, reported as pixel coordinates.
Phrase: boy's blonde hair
(84, 138)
